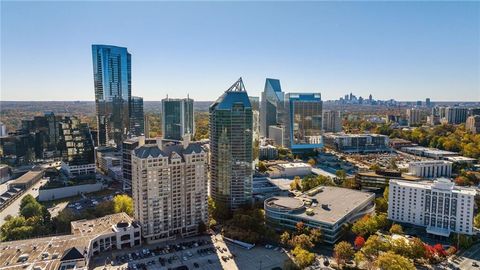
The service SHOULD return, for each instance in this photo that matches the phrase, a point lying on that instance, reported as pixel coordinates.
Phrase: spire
(237, 86)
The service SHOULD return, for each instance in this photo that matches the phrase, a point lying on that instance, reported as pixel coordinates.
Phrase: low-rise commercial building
(357, 143)
(430, 168)
(73, 251)
(381, 178)
(326, 208)
(439, 206)
(27, 180)
(428, 152)
(4, 173)
(288, 170)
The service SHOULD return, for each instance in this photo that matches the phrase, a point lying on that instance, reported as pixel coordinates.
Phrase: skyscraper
(271, 105)
(177, 118)
(113, 90)
(137, 118)
(231, 148)
(169, 189)
(127, 147)
(332, 121)
(304, 124)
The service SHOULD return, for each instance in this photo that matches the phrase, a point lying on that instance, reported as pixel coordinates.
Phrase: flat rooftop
(340, 201)
(294, 165)
(27, 177)
(432, 184)
(404, 176)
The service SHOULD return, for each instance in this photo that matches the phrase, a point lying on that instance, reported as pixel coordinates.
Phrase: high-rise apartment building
(137, 117)
(231, 148)
(456, 115)
(304, 124)
(438, 205)
(169, 189)
(271, 107)
(113, 90)
(177, 118)
(76, 144)
(332, 121)
(414, 116)
(473, 124)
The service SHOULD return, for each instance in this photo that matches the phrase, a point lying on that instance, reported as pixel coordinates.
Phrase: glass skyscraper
(304, 124)
(177, 118)
(271, 105)
(231, 148)
(137, 119)
(113, 90)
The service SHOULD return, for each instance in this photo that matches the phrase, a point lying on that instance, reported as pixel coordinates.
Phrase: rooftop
(26, 178)
(329, 205)
(403, 176)
(294, 165)
(439, 183)
(99, 225)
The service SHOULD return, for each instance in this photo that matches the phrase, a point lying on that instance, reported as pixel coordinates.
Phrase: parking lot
(89, 202)
(205, 252)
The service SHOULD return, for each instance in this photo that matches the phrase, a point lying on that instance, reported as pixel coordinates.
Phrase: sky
(400, 50)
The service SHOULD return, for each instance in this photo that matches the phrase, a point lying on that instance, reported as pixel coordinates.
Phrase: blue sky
(400, 50)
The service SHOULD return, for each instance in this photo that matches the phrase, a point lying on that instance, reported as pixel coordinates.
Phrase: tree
(401, 246)
(375, 167)
(315, 236)
(417, 249)
(295, 184)
(373, 247)
(359, 242)
(439, 250)
(312, 162)
(303, 258)
(370, 224)
(396, 229)
(26, 200)
(123, 203)
(341, 174)
(31, 210)
(343, 252)
(381, 205)
(392, 261)
(302, 241)
(285, 238)
(262, 167)
(300, 226)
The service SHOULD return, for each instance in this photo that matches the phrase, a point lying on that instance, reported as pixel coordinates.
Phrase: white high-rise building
(332, 121)
(414, 116)
(430, 168)
(438, 205)
(169, 189)
(3, 130)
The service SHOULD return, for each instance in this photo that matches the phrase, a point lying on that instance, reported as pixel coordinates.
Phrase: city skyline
(404, 51)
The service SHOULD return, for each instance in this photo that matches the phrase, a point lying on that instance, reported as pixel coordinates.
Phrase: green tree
(373, 247)
(212, 223)
(26, 200)
(262, 167)
(312, 162)
(417, 249)
(303, 258)
(341, 174)
(123, 203)
(396, 229)
(315, 236)
(31, 210)
(381, 205)
(392, 261)
(343, 252)
(476, 220)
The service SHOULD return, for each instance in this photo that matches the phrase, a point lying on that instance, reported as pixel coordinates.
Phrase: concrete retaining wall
(58, 193)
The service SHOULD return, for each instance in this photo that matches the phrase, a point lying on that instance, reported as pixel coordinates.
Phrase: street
(13, 208)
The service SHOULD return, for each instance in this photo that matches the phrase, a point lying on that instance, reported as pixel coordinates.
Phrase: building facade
(112, 76)
(357, 143)
(456, 115)
(169, 189)
(268, 152)
(430, 168)
(231, 148)
(304, 124)
(271, 106)
(332, 121)
(137, 117)
(414, 116)
(438, 205)
(473, 124)
(177, 118)
(127, 150)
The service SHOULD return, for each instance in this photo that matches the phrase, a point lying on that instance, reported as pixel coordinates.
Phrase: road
(468, 257)
(13, 208)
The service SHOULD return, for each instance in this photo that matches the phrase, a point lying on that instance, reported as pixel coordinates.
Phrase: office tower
(76, 143)
(113, 90)
(127, 147)
(169, 189)
(271, 105)
(427, 102)
(332, 121)
(473, 124)
(456, 115)
(304, 124)
(370, 99)
(231, 148)
(419, 103)
(440, 206)
(3, 130)
(137, 117)
(177, 118)
(413, 116)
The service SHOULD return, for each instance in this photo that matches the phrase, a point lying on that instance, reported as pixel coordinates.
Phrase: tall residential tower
(177, 118)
